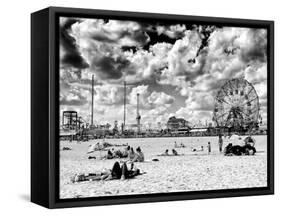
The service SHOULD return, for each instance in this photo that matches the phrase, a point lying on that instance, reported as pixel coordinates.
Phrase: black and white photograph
(149, 107)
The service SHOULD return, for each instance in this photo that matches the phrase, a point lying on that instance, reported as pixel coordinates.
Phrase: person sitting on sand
(139, 156)
(249, 140)
(109, 155)
(179, 146)
(131, 154)
(125, 153)
(174, 152)
(117, 172)
(98, 146)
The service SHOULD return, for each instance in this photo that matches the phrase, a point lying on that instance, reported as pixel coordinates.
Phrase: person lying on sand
(121, 154)
(95, 147)
(166, 153)
(197, 150)
(174, 153)
(117, 172)
(111, 154)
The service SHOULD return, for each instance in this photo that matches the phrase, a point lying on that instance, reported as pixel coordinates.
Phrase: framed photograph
(139, 107)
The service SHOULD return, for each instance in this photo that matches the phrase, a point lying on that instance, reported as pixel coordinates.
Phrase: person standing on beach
(220, 142)
(209, 147)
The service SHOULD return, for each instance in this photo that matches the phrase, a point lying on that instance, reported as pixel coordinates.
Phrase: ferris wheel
(237, 105)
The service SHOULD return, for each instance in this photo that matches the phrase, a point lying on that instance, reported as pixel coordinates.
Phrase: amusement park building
(177, 123)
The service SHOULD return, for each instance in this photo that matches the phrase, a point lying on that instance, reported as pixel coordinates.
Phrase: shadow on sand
(25, 197)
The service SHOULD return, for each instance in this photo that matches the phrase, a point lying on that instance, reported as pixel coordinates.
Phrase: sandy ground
(191, 172)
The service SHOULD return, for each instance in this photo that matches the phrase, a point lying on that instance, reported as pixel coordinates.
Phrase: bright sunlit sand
(191, 172)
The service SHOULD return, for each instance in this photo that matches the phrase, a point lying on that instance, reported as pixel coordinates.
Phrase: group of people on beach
(119, 170)
(181, 145)
(166, 153)
(103, 145)
(128, 152)
(247, 145)
(236, 145)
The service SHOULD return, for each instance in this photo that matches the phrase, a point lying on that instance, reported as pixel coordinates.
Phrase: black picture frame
(45, 112)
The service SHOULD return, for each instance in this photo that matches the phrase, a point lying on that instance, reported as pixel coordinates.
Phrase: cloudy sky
(176, 68)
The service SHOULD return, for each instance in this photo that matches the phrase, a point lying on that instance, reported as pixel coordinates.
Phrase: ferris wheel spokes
(236, 104)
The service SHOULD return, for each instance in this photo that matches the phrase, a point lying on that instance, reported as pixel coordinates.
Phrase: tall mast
(138, 113)
(92, 111)
(124, 104)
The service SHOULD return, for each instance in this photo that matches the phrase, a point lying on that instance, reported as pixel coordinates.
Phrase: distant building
(177, 123)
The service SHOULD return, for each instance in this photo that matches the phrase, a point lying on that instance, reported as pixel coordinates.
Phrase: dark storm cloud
(129, 48)
(72, 57)
(108, 67)
(257, 52)
(102, 38)
(205, 32)
(139, 36)
(155, 38)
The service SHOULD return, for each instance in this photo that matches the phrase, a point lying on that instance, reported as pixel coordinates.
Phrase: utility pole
(124, 123)
(138, 113)
(92, 111)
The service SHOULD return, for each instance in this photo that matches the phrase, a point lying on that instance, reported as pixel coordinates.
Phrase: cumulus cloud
(73, 97)
(148, 99)
(108, 95)
(160, 98)
(192, 62)
(172, 31)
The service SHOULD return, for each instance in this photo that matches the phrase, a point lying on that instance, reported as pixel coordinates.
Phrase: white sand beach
(191, 172)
